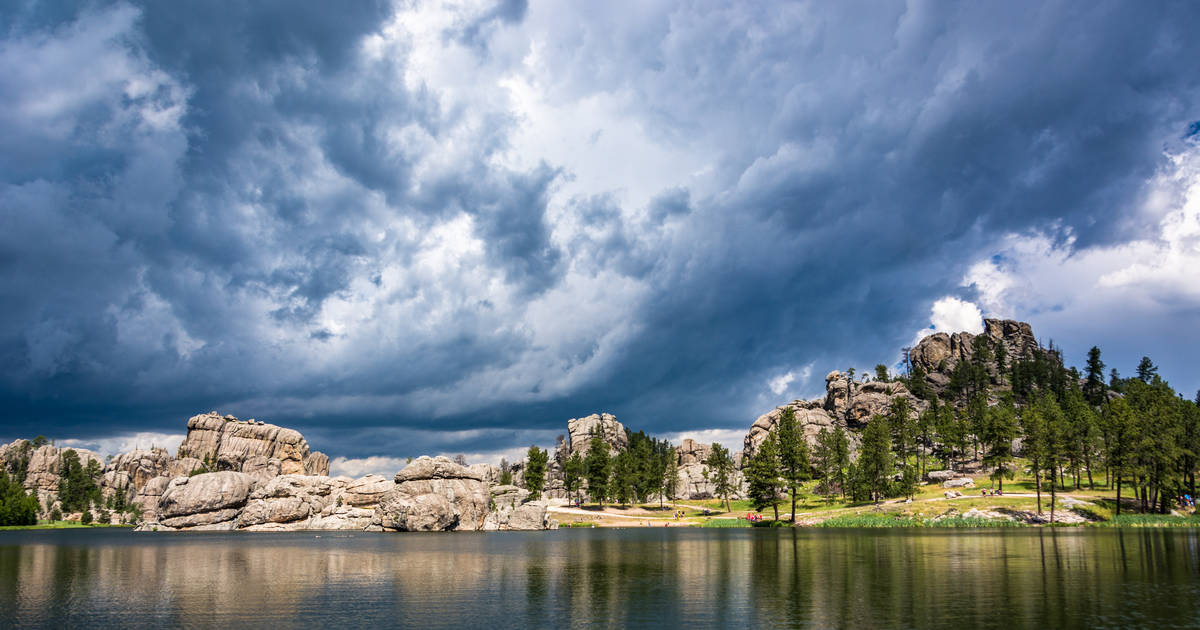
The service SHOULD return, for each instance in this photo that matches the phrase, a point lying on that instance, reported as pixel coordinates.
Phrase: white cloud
(780, 384)
(125, 443)
(732, 439)
(950, 315)
(361, 466)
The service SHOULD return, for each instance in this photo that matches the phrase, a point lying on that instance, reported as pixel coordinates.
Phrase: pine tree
(1146, 370)
(764, 476)
(719, 472)
(875, 457)
(793, 454)
(1094, 389)
(669, 484)
(535, 471)
(1001, 430)
(573, 474)
(597, 465)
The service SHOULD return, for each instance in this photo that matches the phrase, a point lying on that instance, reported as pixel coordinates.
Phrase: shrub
(86, 519)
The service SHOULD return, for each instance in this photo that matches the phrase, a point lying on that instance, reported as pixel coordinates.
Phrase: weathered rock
(210, 500)
(938, 476)
(366, 490)
(580, 431)
(512, 510)
(231, 442)
(810, 416)
(961, 482)
(856, 403)
(693, 484)
(937, 354)
(434, 494)
(141, 465)
(316, 463)
(149, 495)
(45, 466)
(951, 494)
(692, 452)
(184, 467)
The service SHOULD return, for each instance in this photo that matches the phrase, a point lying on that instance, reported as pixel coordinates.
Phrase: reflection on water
(578, 578)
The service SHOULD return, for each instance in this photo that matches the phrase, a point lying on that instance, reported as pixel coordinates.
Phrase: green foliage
(881, 373)
(56, 514)
(1151, 520)
(794, 463)
(86, 518)
(875, 457)
(535, 471)
(77, 483)
(764, 476)
(573, 473)
(1146, 370)
(16, 506)
(597, 464)
(831, 458)
(719, 471)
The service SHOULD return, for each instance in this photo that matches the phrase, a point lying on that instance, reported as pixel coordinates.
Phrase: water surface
(1044, 578)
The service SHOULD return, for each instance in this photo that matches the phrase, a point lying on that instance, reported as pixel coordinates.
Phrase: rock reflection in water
(637, 578)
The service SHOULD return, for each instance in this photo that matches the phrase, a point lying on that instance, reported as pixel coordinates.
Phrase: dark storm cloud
(255, 206)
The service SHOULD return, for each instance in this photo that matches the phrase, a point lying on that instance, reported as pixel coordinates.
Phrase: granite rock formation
(434, 494)
(239, 444)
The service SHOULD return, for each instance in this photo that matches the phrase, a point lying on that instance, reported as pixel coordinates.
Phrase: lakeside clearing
(929, 507)
(62, 525)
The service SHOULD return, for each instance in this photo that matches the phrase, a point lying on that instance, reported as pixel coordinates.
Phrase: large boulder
(960, 482)
(692, 452)
(512, 510)
(140, 465)
(149, 495)
(856, 403)
(434, 494)
(581, 430)
(810, 416)
(290, 501)
(230, 443)
(205, 501)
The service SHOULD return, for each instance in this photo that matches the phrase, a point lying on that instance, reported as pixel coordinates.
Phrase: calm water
(608, 578)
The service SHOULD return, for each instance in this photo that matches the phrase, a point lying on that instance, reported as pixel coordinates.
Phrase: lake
(761, 578)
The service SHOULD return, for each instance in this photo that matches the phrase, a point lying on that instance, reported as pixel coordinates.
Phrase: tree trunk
(1091, 483)
(776, 506)
(1037, 476)
(1118, 510)
(793, 505)
(1053, 496)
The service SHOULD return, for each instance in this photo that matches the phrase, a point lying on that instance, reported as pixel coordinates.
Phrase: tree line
(1072, 427)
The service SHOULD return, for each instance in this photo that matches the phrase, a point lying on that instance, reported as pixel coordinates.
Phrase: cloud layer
(449, 227)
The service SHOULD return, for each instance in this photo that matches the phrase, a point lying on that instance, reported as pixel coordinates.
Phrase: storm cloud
(448, 227)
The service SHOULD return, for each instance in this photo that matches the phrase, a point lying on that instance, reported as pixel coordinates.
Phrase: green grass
(584, 524)
(57, 525)
(1151, 520)
(726, 523)
(890, 521)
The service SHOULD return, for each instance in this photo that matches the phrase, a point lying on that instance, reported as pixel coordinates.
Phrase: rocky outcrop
(208, 501)
(939, 353)
(233, 444)
(810, 415)
(960, 482)
(581, 430)
(141, 465)
(690, 452)
(149, 495)
(856, 403)
(434, 494)
(512, 510)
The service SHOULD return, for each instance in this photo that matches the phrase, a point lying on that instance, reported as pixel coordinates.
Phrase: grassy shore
(59, 525)
(1080, 506)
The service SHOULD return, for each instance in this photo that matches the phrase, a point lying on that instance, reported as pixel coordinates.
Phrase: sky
(407, 227)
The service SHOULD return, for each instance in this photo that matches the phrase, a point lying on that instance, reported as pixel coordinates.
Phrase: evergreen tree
(669, 484)
(764, 476)
(719, 471)
(506, 476)
(1118, 423)
(535, 471)
(1034, 438)
(1054, 444)
(1146, 370)
(597, 465)
(1001, 430)
(1094, 389)
(77, 483)
(903, 431)
(573, 474)
(16, 506)
(875, 457)
(881, 373)
(793, 454)
(622, 482)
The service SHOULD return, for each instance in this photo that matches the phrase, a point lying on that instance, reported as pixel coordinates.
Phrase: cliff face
(240, 444)
(852, 403)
